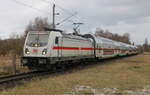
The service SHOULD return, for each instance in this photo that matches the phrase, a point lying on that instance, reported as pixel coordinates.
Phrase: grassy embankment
(6, 65)
(129, 73)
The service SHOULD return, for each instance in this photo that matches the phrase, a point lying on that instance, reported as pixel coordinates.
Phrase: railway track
(21, 76)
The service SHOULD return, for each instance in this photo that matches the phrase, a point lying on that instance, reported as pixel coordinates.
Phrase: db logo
(34, 50)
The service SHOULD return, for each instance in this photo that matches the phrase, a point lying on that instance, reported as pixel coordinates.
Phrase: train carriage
(105, 48)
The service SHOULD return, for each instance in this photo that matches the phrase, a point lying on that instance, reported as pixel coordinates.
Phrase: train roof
(71, 36)
(38, 32)
(102, 40)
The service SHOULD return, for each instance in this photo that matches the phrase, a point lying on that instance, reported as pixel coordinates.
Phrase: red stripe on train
(78, 48)
(66, 48)
(87, 48)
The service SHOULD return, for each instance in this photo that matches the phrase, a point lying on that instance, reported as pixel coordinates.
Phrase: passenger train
(45, 49)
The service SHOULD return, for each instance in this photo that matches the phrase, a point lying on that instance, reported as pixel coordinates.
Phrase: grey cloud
(117, 15)
(110, 12)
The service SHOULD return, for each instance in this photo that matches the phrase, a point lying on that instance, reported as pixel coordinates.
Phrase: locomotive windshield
(37, 40)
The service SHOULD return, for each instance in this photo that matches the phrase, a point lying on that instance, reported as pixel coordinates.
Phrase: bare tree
(37, 25)
(126, 38)
(107, 34)
(146, 46)
(15, 42)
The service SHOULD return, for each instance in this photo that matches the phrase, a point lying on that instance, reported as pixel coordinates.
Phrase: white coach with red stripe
(52, 46)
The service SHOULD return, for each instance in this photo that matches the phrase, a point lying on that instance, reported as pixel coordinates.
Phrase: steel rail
(21, 76)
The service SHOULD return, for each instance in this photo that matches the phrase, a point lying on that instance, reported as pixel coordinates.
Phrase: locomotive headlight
(44, 52)
(27, 51)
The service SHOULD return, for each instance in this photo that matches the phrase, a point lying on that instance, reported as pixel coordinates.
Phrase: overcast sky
(118, 16)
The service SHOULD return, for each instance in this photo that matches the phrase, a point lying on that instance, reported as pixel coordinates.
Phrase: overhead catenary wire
(66, 19)
(79, 18)
(26, 5)
(63, 9)
(29, 6)
(50, 2)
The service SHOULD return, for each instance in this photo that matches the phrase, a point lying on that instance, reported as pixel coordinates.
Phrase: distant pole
(13, 62)
(53, 17)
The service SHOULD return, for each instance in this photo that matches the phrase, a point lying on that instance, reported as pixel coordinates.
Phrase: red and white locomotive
(42, 49)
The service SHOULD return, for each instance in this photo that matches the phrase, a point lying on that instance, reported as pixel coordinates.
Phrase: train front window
(37, 40)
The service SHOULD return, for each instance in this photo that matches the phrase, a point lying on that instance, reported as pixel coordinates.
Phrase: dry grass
(6, 65)
(126, 73)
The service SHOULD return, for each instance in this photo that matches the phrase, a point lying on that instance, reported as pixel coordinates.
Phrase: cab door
(58, 42)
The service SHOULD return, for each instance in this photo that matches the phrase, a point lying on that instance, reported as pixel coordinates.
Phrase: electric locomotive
(43, 49)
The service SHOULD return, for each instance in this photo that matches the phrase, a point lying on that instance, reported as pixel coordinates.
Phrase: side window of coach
(99, 49)
(56, 40)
